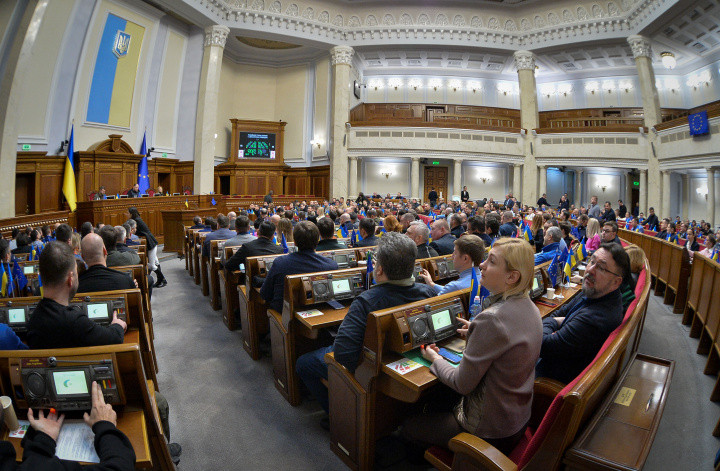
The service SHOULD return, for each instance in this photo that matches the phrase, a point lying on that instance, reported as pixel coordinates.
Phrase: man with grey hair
(456, 227)
(406, 219)
(394, 285)
(443, 242)
(507, 228)
(131, 233)
(420, 234)
(552, 245)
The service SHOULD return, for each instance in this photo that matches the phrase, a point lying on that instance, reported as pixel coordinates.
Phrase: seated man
(305, 260)
(609, 233)
(134, 192)
(328, 236)
(263, 245)
(100, 195)
(131, 228)
(507, 228)
(476, 226)
(442, 240)
(394, 286)
(456, 225)
(242, 228)
(54, 324)
(551, 245)
(634, 226)
(97, 277)
(197, 223)
(573, 335)
(222, 233)
(115, 258)
(469, 253)
(420, 234)
(367, 232)
(121, 244)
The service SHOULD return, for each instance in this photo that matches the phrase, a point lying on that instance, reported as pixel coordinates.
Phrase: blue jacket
(547, 254)
(508, 229)
(445, 245)
(570, 347)
(221, 234)
(302, 261)
(9, 339)
(463, 282)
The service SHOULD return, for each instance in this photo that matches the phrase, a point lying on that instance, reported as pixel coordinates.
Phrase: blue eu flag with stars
(698, 123)
(143, 177)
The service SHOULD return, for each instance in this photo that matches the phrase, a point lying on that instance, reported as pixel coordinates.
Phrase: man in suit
(609, 213)
(134, 192)
(305, 260)
(443, 242)
(269, 197)
(573, 335)
(456, 226)
(197, 223)
(507, 228)
(326, 229)
(115, 258)
(263, 245)
(367, 231)
(551, 244)
(98, 277)
(542, 201)
(509, 201)
(222, 233)
(420, 234)
(464, 195)
(432, 197)
(652, 220)
(622, 209)
(476, 226)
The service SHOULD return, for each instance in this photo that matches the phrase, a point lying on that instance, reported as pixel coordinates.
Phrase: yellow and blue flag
(353, 238)
(4, 282)
(69, 188)
(18, 274)
(527, 233)
(284, 244)
(567, 269)
(143, 174)
(369, 277)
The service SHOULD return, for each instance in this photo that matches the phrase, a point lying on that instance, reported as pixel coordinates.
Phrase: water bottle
(476, 308)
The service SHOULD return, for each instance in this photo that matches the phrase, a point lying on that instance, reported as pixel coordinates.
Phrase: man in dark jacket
(263, 245)
(507, 228)
(328, 236)
(98, 277)
(652, 220)
(443, 242)
(573, 335)
(420, 234)
(432, 197)
(367, 231)
(622, 209)
(476, 226)
(222, 233)
(54, 324)
(456, 226)
(608, 214)
(394, 285)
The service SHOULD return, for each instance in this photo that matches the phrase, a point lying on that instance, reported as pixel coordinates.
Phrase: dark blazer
(144, 231)
(542, 201)
(330, 244)
(570, 347)
(255, 248)
(367, 242)
(457, 231)
(652, 221)
(100, 278)
(53, 325)
(608, 215)
(302, 261)
(464, 196)
(425, 251)
(444, 245)
(508, 229)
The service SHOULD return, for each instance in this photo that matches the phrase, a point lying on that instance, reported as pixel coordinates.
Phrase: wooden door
(436, 177)
(24, 194)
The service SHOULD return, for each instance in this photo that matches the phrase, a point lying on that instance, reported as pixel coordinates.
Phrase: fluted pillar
(517, 169)
(627, 199)
(710, 211)
(578, 188)
(353, 191)
(543, 180)
(341, 59)
(643, 192)
(13, 82)
(529, 119)
(206, 120)
(457, 179)
(686, 195)
(666, 195)
(651, 109)
(415, 178)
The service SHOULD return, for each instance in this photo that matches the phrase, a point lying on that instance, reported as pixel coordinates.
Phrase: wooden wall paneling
(48, 192)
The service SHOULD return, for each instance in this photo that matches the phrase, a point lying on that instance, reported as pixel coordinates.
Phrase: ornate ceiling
(571, 38)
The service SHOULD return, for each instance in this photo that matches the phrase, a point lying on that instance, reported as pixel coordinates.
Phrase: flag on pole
(19, 274)
(353, 238)
(143, 174)
(284, 244)
(567, 269)
(186, 204)
(4, 281)
(370, 268)
(527, 233)
(69, 188)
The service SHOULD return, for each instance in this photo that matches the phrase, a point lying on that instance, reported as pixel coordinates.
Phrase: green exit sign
(636, 183)
(164, 154)
(436, 162)
(26, 147)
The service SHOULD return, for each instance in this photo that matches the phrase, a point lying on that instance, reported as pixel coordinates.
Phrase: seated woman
(637, 262)
(594, 235)
(691, 245)
(710, 242)
(496, 374)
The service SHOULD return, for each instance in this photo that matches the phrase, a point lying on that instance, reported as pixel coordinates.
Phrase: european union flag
(353, 239)
(369, 280)
(212, 201)
(19, 274)
(143, 174)
(284, 244)
(698, 123)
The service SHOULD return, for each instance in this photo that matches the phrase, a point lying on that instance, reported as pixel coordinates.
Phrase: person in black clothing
(507, 229)
(564, 203)
(263, 245)
(269, 198)
(394, 285)
(608, 214)
(456, 227)
(97, 277)
(197, 223)
(432, 197)
(112, 446)
(663, 229)
(326, 229)
(23, 244)
(420, 234)
(609, 233)
(367, 231)
(622, 209)
(542, 201)
(582, 226)
(443, 242)
(134, 192)
(54, 324)
(636, 210)
(144, 231)
(63, 233)
(476, 226)
(464, 195)
(305, 260)
(652, 220)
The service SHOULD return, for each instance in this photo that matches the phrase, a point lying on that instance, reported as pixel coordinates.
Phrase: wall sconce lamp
(386, 174)
(395, 83)
(474, 86)
(316, 142)
(603, 187)
(484, 179)
(435, 84)
(415, 83)
(455, 84)
(592, 87)
(702, 192)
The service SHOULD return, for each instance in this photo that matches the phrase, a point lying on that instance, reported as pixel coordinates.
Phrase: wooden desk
(174, 222)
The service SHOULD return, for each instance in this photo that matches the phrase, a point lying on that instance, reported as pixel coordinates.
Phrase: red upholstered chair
(125, 192)
(151, 192)
(91, 196)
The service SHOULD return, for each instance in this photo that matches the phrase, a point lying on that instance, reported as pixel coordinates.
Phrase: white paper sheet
(76, 442)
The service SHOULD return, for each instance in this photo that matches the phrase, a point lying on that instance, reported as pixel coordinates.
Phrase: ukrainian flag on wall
(113, 81)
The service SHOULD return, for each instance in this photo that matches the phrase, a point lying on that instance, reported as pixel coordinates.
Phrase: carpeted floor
(227, 415)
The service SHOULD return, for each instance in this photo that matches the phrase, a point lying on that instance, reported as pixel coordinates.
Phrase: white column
(529, 119)
(578, 188)
(517, 169)
(710, 216)
(651, 109)
(643, 192)
(341, 59)
(666, 195)
(12, 85)
(686, 196)
(415, 178)
(206, 120)
(628, 191)
(353, 191)
(457, 178)
(543, 180)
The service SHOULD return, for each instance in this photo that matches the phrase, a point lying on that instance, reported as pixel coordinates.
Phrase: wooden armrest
(547, 387)
(484, 455)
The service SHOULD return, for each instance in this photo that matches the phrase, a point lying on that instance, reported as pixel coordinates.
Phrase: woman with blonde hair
(391, 224)
(497, 371)
(284, 226)
(594, 235)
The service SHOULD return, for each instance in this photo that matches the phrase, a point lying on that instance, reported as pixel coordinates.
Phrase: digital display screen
(450, 265)
(28, 270)
(254, 145)
(341, 258)
(98, 311)
(441, 319)
(16, 316)
(70, 382)
(535, 284)
(341, 286)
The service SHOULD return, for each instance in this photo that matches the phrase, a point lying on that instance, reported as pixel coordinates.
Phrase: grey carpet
(227, 415)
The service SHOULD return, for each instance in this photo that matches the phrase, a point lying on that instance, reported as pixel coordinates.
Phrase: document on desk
(76, 442)
(404, 366)
(309, 313)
